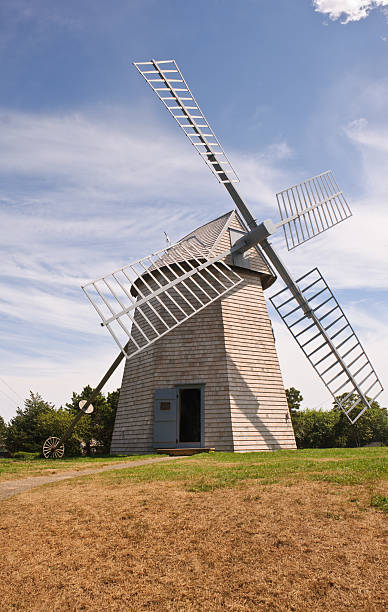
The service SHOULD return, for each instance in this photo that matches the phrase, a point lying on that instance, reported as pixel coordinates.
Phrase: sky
(94, 170)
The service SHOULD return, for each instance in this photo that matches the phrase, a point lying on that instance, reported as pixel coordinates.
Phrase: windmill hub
(255, 236)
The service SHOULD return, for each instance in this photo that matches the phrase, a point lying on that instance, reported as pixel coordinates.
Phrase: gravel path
(9, 488)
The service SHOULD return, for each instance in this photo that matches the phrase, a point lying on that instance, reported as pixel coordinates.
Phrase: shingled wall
(228, 347)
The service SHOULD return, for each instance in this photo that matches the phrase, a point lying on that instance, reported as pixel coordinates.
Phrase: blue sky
(93, 169)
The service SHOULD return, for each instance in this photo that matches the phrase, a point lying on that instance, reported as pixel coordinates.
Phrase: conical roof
(209, 233)
(217, 236)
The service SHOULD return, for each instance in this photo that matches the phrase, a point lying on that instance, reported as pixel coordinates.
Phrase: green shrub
(332, 429)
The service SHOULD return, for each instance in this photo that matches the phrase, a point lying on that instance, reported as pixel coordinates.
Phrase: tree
(332, 428)
(372, 426)
(39, 420)
(315, 428)
(109, 418)
(3, 431)
(55, 423)
(294, 399)
(98, 426)
(23, 431)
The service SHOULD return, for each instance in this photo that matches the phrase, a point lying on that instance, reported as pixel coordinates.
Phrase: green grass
(21, 468)
(380, 502)
(206, 472)
(209, 471)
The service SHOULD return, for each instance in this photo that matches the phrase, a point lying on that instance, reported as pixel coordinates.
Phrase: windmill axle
(255, 236)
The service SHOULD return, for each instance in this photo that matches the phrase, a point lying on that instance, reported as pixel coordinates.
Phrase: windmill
(144, 303)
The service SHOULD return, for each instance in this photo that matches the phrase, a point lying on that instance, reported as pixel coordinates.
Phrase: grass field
(289, 530)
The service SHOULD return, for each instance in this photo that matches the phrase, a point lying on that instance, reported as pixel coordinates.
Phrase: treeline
(39, 420)
(332, 429)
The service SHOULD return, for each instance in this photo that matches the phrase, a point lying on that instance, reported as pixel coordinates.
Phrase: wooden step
(183, 451)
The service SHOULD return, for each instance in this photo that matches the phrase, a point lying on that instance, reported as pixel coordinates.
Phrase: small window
(165, 405)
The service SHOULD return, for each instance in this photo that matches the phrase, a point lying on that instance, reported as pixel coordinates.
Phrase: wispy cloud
(371, 328)
(353, 256)
(347, 10)
(364, 134)
(84, 194)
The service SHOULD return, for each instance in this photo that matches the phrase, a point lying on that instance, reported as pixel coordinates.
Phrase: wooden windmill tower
(201, 366)
(215, 380)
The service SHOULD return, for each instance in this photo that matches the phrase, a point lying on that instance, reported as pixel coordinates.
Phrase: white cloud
(370, 327)
(46, 309)
(82, 195)
(362, 133)
(90, 154)
(350, 10)
(353, 257)
(98, 161)
(56, 379)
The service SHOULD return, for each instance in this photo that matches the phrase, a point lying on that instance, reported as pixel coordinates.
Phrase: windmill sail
(330, 344)
(168, 83)
(148, 298)
(310, 208)
(306, 210)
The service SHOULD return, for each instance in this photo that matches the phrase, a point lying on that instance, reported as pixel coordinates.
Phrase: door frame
(201, 387)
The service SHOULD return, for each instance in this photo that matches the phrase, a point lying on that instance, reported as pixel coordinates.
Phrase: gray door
(165, 418)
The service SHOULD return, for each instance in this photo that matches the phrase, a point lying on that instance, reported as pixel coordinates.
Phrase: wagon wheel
(50, 449)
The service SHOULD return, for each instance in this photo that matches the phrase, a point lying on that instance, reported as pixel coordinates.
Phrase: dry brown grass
(97, 545)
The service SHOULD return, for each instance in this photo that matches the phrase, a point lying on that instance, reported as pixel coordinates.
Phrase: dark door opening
(190, 416)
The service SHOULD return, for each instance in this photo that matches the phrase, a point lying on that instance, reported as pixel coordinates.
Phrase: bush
(316, 429)
(332, 429)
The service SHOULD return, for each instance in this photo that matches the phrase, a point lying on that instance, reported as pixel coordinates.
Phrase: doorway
(179, 417)
(190, 421)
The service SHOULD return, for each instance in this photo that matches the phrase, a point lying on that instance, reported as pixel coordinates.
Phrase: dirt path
(13, 487)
